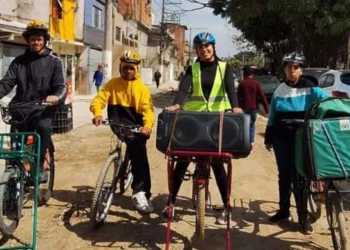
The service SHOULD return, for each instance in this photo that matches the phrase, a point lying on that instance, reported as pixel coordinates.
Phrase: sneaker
(222, 218)
(306, 228)
(165, 213)
(141, 203)
(279, 217)
(43, 176)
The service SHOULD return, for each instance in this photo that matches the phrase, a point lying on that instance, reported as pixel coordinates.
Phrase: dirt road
(63, 223)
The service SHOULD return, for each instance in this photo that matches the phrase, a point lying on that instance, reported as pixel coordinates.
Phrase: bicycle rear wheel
(336, 221)
(102, 198)
(315, 199)
(11, 201)
(200, 211)
(45, 189)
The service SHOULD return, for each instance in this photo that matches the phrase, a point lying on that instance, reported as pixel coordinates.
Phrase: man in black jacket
(39, 76)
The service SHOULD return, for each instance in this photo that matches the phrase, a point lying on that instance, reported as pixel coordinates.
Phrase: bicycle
(22, 164)
(121, 176)
(200, 192)
(331, 194)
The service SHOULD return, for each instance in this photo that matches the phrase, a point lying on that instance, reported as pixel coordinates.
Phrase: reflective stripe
(211, 99)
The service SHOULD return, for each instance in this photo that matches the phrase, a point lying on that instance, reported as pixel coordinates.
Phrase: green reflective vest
(218, 99)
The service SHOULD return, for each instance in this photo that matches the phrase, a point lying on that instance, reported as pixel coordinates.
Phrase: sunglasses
(293, 67)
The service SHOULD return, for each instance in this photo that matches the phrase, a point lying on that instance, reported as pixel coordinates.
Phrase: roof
(12, 26)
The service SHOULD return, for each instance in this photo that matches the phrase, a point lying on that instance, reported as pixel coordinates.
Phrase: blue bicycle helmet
(203, 38)
(295, 58)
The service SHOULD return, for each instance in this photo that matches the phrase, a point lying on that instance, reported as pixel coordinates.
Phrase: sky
(203, 21)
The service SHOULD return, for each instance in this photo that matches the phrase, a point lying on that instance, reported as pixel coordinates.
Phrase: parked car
(268, 84)
(336, 83)
(315, 72)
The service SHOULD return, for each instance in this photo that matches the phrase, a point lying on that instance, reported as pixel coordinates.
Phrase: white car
(336, 83)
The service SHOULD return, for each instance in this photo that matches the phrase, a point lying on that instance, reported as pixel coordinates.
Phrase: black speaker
(199, 131)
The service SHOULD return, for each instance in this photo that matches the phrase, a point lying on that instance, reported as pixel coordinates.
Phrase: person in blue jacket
(98, 78)
(290, 101)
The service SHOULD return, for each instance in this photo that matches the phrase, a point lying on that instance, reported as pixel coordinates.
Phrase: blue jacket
(291, 102)
(98, 77)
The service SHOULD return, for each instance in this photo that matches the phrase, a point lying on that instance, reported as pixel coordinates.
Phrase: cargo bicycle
(21, 153)
(325, 191)
(115, 175)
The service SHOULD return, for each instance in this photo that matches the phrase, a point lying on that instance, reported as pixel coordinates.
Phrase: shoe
(222, 218)
(43, 177)
(306, 228)
(141, 203)
(165, 213)
(279, 217)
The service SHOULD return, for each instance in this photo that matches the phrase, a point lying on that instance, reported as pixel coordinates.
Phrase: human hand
(146, 131)
(237, 110)
(173, 107)
(52, 99)
(97, 120)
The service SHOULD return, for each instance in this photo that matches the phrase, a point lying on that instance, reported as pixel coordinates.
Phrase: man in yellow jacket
(129, 102)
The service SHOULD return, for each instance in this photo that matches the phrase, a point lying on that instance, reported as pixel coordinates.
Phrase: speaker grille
(187, 130)
(230, 132)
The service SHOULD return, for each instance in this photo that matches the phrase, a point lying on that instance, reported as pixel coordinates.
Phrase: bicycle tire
(10, 177)
(95, 217)
(315, 201)
(200, 211)
(46, 189)
(335, 213)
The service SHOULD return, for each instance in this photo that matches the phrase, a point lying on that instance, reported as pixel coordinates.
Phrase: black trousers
(288, 180)
(157, 82)
(41, 123)
(220, 176)
(140, 166)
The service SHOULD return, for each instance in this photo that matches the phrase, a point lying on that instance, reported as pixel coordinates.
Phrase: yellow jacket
(128, 101)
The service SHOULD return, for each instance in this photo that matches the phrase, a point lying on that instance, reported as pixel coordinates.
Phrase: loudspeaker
(199, 131)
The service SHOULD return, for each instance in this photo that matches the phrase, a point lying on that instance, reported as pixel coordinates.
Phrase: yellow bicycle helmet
(36, 28)
(131, 56)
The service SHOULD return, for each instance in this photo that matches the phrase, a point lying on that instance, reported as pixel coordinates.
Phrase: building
(64, 33)
(179, 42)
(15, 15)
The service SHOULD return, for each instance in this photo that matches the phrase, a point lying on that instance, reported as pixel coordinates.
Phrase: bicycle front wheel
(11, 201)
(103, 195)
(336, 221)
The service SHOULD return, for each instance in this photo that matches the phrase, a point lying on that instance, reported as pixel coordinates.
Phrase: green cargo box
(323, 149)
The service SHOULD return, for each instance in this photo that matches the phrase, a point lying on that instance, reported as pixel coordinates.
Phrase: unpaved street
(63, 223)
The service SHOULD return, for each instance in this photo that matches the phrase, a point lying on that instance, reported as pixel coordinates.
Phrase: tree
(319, 28)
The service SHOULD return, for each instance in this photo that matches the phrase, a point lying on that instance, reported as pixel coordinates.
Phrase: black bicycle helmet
(295, 58)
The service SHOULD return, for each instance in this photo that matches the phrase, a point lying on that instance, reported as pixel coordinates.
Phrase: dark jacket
(36, 77)
(249, 91)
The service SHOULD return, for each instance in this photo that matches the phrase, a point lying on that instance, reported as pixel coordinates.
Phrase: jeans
(252, 113)
(97, 88)
(288, 181)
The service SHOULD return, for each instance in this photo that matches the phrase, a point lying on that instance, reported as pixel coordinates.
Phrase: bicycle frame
(198, 157)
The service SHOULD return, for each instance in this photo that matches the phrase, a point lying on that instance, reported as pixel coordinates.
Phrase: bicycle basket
(20, 149)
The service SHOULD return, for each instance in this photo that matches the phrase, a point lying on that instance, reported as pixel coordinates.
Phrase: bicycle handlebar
(133, 128)
(293, 121)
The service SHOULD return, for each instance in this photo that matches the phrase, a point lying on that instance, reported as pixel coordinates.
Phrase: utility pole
(162, 43)
(190, 54)
(348, 57)
(107, 45)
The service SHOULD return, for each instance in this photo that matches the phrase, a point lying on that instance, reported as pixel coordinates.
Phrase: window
(117, 33)
(96, 17)
(329, 81)
(322, 81)
(57, 9)
(345, 78)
